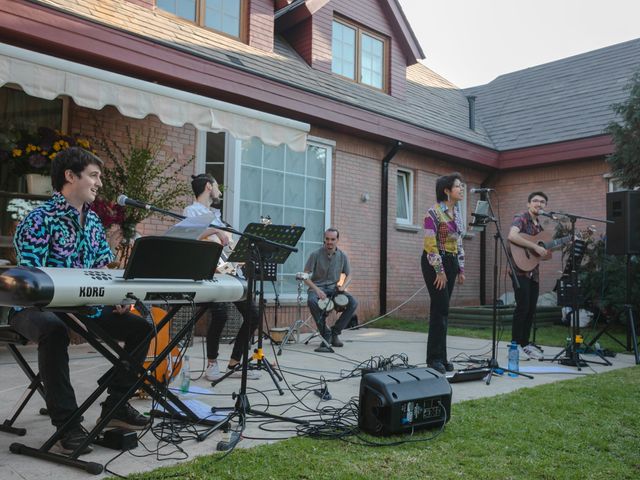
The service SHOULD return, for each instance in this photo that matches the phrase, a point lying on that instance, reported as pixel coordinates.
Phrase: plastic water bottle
(514, 359)
(185, 375)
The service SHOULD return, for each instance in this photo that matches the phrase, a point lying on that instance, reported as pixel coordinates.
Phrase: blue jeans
(320, 316)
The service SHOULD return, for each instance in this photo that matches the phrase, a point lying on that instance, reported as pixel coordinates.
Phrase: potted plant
(31, 153)
(136, 169)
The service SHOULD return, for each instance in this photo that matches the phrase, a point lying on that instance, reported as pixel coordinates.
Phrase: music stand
(262, 247)
(189, 259)
(260, 243)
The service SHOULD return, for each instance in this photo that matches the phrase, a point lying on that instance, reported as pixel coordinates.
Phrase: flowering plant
(33, 152)
(110, 213)
(20, 208)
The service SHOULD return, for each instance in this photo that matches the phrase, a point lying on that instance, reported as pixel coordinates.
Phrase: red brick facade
(179, 143)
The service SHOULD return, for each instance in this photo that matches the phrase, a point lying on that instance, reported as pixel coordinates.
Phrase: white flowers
(20, 208)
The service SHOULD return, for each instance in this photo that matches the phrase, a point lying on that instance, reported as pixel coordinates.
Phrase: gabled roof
(563, 100)
(431, 102)
(298, 10)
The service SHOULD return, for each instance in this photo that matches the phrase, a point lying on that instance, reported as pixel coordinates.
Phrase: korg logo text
(92, 291)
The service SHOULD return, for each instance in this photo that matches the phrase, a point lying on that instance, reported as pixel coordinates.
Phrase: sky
(470, 42)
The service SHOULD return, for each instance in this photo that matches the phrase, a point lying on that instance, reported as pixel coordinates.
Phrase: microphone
(551, 215)
(482, 190)
(123, 200)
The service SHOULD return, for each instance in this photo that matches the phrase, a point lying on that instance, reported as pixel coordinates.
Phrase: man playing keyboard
(65, 233)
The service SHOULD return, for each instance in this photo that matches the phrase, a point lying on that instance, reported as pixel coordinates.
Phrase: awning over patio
(48, 77)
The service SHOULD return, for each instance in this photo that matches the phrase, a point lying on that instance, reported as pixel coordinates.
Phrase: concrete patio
(298, 362)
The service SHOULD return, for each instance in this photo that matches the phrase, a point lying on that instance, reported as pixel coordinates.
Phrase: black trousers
(51, 334)
(526, 300)
(439, 310)
(219, 317)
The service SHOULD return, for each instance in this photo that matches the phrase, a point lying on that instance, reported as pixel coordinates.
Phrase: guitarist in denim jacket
(526, 295)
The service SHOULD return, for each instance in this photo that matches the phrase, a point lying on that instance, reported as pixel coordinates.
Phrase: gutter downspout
(384, 214)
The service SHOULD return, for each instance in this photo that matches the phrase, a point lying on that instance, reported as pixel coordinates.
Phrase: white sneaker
(251, 374)
(532, 352)
(523, 354)
(536, 347)
(212, 373)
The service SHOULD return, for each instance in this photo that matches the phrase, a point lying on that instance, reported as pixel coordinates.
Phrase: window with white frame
(615, 185)
(292, 188)
(358, 54)
(404, 194)
(222, 15)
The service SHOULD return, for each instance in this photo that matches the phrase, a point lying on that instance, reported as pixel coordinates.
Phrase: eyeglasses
(538, 200)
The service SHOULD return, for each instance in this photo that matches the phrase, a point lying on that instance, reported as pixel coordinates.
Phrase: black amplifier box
(403, 400)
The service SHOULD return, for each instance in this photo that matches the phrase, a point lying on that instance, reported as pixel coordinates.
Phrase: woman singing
(442, 261)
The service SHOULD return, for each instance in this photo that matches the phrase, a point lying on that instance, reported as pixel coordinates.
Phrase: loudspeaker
(623, 236)
(403, 400)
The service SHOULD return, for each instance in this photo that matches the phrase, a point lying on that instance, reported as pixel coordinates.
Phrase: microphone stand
(481, 220)
(242, 406)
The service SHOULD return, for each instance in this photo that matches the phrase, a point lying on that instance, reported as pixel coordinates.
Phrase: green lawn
(584, 428)
(553, 335)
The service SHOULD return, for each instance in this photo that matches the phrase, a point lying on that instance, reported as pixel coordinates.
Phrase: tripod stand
(480, 221)
(571, 291)
(297, 325)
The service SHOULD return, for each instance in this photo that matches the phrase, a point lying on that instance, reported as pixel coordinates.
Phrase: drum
(302, 276)
(341, 302)
(325, 304)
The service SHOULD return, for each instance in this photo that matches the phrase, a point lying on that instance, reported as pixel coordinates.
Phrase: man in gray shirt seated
(325, 267)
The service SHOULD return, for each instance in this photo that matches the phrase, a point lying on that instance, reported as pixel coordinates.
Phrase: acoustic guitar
(526, 259)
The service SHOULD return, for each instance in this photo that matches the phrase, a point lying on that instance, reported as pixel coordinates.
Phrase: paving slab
(302, 369)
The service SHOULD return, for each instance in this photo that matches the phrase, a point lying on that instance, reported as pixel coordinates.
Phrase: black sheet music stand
(172, 259)
(262, 247)
(260, 243)
(148, 260)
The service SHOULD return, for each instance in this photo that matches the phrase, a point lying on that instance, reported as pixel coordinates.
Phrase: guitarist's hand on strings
(540, 250)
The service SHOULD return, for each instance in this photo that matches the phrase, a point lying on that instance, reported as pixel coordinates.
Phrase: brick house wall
(576, 187)
(357, 169)
(179, 143)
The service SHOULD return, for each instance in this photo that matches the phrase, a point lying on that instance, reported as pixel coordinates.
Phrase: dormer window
(224, 16)
(358, 54)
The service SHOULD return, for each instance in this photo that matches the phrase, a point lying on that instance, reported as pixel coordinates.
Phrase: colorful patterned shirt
(51, 236)
(524, 222)
(443, 234)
